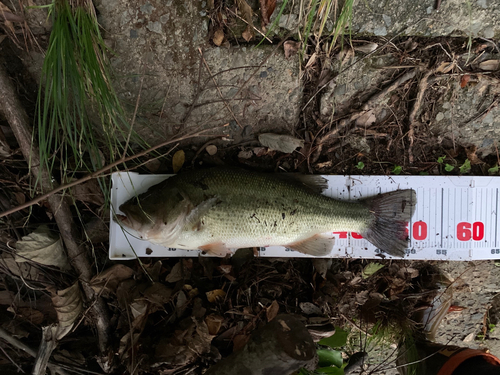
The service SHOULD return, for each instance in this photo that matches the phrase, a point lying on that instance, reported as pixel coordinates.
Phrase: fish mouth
(122, 219)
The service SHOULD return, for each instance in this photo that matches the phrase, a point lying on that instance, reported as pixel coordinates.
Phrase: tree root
(369, 104)
(16, 116)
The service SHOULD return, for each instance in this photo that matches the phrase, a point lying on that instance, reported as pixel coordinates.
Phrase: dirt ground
(375, 104)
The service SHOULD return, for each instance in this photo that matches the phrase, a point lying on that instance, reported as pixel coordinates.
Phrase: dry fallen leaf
(239, 341)
(366, 48)
(178, 160)
(309, 308)
(43, 247)
(322, 265)
(158, 294)
(272, 310)
(279, 142)
(471, 155)
(247, 15)
(291, 48)
(68, 306)
(366, 119)
(247, 34)
(215, 295)
(464, 80)
(89, 191)
(31, 315)
(214, 322)
(218, 37)
(110, 278)
(7, 15)
(185, 345)
(445, 67)
(175, 274)
(489, 65)
(267, 8)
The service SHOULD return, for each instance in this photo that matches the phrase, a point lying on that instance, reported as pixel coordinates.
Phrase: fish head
(136, 217)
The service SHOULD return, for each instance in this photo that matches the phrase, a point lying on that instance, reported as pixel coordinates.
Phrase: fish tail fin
(391, 213)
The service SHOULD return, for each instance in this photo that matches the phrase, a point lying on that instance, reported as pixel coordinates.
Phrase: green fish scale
(261, 210)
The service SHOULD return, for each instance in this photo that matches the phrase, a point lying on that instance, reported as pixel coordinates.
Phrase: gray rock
(158, 43)
(465, 115)
(420, 18)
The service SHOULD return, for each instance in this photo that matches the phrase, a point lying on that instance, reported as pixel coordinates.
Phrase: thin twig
(358, 61)
(21, 346)
(226, 104)
(369, 104)
(355, 325)
(252, 26)
(133, 117)
(422, 86)
(100, 171)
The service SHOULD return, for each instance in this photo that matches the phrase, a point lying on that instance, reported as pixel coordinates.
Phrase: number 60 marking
(466, 231)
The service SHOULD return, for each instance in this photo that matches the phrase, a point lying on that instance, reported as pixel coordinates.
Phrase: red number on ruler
(356, 236)
(342, 235)
(464, 232)
(419, 230)
(477, 231)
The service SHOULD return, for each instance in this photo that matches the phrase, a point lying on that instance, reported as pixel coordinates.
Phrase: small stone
(211, 149)
(387, 20)
(147, 8)
(247, 131)
(155, 27)
(263, 74)
(469, 337)
(279, 142)
(439, 116)
(134, 34)
(245, 154)
(164, 19)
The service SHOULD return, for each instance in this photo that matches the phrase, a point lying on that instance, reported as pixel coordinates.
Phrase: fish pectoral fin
(216, 248)
(195, 215)
(317, 245)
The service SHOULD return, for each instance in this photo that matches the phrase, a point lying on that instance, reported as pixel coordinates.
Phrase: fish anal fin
(215, 248)
(316, 245)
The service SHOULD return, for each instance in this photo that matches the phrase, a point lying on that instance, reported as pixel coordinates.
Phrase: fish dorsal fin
(317, 245)
(315, 183)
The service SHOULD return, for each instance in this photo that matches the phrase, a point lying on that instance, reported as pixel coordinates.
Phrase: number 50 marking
(466, 231)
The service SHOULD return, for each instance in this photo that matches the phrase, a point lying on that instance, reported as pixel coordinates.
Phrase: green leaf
(329, 357)
(370, 269)
(448, 167)
(360, 165)
(397, 169)
(329, 370)
(465, 167)
(178, 160)
(337, 340)
(303, 371)
(441, 159)
(493, 170)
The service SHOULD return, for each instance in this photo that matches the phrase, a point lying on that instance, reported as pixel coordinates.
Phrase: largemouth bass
(218, 209)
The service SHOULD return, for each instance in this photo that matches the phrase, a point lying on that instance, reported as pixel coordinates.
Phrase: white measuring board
(455, 218)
